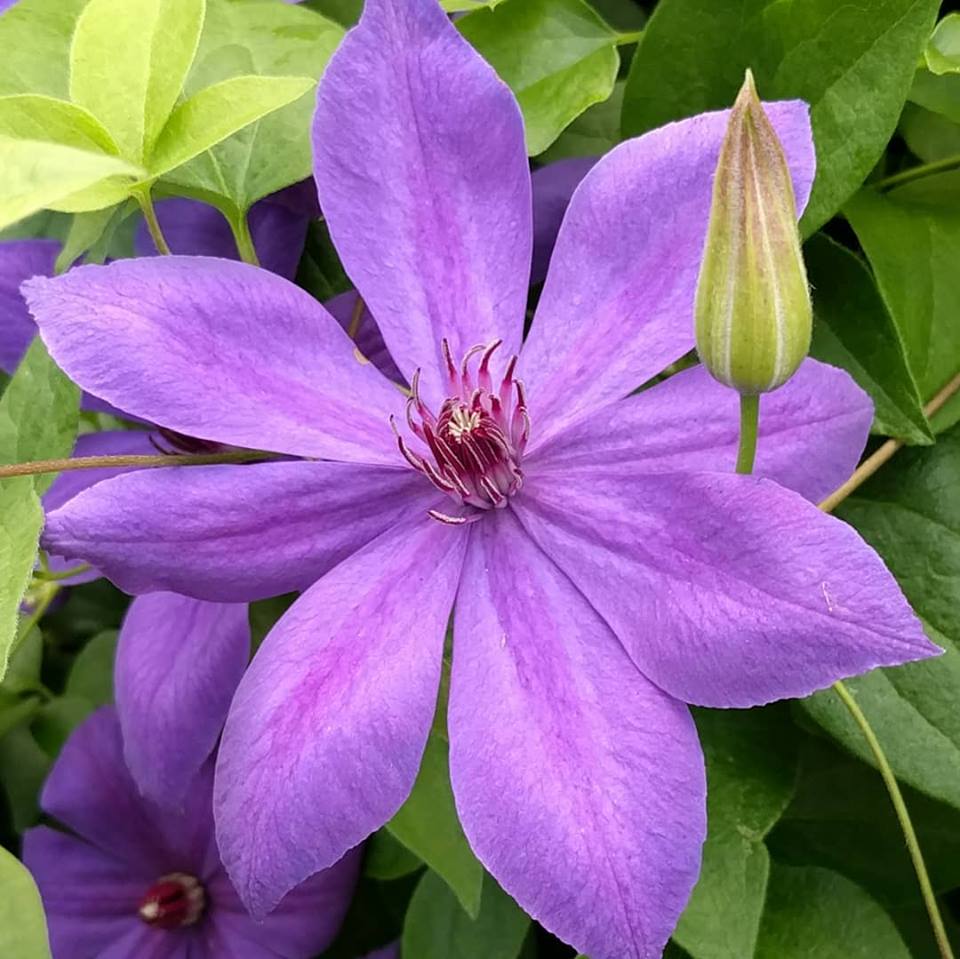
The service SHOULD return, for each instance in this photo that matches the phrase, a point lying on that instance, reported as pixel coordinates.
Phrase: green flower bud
(753, 311)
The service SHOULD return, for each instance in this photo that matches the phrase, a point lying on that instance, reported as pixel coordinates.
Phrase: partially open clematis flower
(138, 877)
(607, 565)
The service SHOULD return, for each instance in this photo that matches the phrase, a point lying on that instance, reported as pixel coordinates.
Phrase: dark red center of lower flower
(472, 448)
(173, 901)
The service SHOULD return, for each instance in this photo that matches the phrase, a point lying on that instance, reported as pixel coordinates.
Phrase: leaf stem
(625, 39)
(884, 453)
(749, 420)
(153, 224)
(48, 577)
(240, 226)
(917, 173)
(134, 461)
(903, 815)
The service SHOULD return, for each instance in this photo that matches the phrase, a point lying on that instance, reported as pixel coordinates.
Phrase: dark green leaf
(751, 768)
(387, 858)
(427, 824)
(558, 57)
(853, 63)
(91, 677)
(854, 330)
(437, 928)
(23, 769)
(56, 720)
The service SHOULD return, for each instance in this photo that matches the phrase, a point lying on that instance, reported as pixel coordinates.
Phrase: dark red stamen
(173, 901)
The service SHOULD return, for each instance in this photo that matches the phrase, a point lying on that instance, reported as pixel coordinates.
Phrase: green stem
(917, 173)
(46, 576)
(153, 224)
(136, 461)
(625, 39)
(47, 596)
(749, 418)
(903, 814)
(241, 236)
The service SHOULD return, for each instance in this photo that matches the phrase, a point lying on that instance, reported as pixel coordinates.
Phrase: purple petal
(580, 785)
(20, 260)
(725, 590)
(232, 533)
(145, 943)
(812, 431)
(217, 350)
(197, 229)
(368, 339)
(304, 923)
(553, 185)
(89, 897)
(178, 663)
(90, 790)
(617, 306)
(350, 672)
(422, 175)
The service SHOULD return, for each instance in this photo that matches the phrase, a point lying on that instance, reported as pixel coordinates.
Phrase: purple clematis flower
(141, 876)
(607, 566)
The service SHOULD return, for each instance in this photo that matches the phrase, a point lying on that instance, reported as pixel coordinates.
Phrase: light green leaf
(91, 676)
(39, 176)
(853, 329)
(814, 912)
(462, 6)
(38, 413)
(852, 62)
(929, 135)
(34, 117)
(751, 768)
(911, 236)
(23, 929)
(943, 49)
(263, 38)
(35, 39)
(128, 63)
(427, 824)
(437, 928)
(593, 133)
(557, 56)
(910, 513)
(939, 94)
(219, 111)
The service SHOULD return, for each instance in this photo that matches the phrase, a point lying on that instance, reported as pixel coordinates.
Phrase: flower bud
(753, 312)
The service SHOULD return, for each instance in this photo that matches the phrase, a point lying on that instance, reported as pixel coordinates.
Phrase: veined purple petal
(277, 229)
(329, 723)
(303, 924)
(20, 260)
(726, 590)
(422, 175)
(178, 663)
(617, 306)
(90, 790)
(553, 185)
(232, 533)
(218, 350)
(580, 785)
(89, 897)
(812, 431)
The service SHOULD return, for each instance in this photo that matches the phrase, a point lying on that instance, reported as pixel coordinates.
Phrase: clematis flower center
(474, 444)
(175, 900)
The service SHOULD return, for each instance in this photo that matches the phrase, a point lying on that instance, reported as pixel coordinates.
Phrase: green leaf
(86, 229)
(23, 929)
(427, 824)
(38, 413)
(23, 769)
(33, 117)
(943, 49)
(128, 63)
(910, 513)
(854, 330)
(939, 94)
(219, 111)
(853, 63)
(91, 676)
(57, 719)
(387, 858)
(437, 928)
(38, 176)
(751, 768)
(815, 912)
(911, 236)
(593, 133)
(929, 135)
(35, 38)
(558, 57)
(262, 38)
